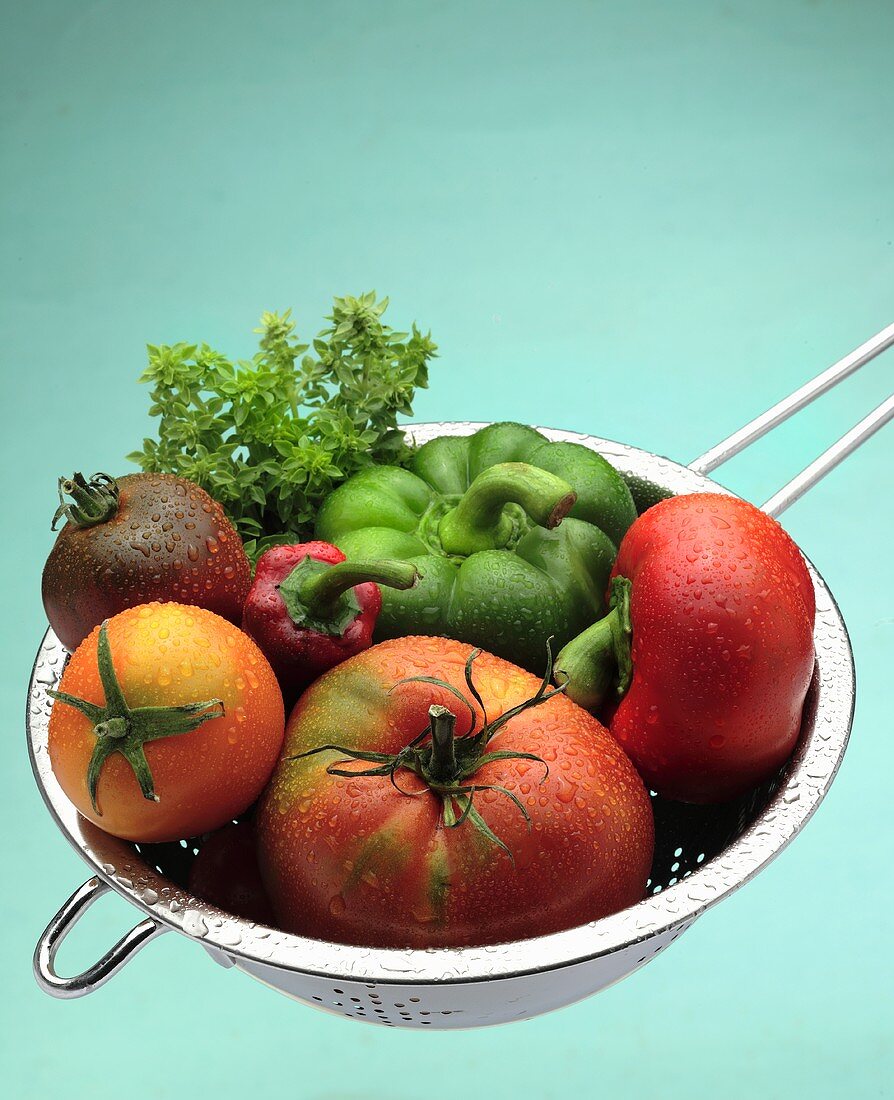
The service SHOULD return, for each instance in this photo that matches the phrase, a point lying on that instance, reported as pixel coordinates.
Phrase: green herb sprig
(270, 438)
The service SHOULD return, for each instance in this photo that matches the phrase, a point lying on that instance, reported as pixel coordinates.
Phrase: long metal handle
(802, 397)
(111, 962)
(830, 458)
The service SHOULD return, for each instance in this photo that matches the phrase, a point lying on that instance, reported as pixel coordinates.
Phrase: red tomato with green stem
(426, 799)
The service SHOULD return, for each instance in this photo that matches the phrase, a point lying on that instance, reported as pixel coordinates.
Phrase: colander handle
(111, 962)
(796, 401)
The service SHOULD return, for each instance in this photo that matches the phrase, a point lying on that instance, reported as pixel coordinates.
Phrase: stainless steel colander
(702, 853)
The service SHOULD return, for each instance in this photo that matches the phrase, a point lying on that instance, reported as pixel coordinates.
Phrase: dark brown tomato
(167, 541)
(356, 860)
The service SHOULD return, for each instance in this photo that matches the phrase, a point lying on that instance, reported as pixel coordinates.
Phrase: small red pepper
(309, 609)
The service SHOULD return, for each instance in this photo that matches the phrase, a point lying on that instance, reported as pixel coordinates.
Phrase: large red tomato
(361, 859)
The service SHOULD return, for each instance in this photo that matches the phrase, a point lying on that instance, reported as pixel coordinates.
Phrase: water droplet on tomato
(565, 792)
(337, 905)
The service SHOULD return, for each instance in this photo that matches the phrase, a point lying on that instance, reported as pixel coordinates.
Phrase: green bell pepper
(482, 517)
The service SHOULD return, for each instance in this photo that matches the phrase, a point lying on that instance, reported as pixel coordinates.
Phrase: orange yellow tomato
(181, 738)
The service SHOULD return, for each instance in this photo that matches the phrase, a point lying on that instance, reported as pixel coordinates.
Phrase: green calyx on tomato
(94, 501)
(598, 661)
(447, 763)
(120, 728)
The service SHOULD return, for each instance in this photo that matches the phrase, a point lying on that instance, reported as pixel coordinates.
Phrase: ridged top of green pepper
(483, 517)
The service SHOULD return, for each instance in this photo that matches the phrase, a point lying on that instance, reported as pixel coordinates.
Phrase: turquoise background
(646, 221)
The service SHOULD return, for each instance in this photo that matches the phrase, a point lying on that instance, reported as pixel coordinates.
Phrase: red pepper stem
(319, 592)
(442, 766)
(478, 522)
(598, 661)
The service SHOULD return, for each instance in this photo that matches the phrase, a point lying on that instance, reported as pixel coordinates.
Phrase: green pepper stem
(442, 766)
(94, 501)
(478, 521)
(319, 592)
(598, 660)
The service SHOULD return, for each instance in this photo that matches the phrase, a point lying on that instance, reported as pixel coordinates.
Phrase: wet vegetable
(514, 537)
(430, 795)
(134, 539)
(309, 609)
(712, 629)
(167, 723)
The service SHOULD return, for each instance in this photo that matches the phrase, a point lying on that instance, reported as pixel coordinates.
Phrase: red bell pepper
(710, 642)
(309, 609)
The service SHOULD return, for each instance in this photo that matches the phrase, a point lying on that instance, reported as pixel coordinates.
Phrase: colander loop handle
(796, 401)
(112, 961)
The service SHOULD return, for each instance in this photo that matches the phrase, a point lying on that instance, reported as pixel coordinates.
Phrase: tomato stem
(442, 766)
(446, 763)
(94, 501)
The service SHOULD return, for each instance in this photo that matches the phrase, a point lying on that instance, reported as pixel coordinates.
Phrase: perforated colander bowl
(702, 855)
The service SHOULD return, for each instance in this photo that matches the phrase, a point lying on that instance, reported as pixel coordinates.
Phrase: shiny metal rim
(809, 776)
